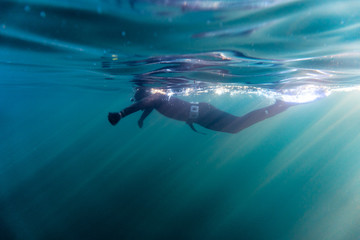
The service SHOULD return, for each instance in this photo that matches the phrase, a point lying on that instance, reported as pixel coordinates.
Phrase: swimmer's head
(140, 93)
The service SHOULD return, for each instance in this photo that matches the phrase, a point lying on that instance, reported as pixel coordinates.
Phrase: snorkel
(140, 93)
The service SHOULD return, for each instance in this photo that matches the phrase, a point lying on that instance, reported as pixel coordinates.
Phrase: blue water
(66, 173)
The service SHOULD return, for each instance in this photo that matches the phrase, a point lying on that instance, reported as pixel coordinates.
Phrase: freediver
(200, 113)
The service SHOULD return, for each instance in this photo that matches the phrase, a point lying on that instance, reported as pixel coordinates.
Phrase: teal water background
(66, 173)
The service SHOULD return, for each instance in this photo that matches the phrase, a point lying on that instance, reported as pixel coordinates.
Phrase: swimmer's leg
(218, 120)
(258, 115)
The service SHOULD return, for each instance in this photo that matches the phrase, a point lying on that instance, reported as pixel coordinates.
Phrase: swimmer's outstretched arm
(146, 103)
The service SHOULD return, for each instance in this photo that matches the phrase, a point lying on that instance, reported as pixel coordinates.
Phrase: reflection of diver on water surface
(201, 113)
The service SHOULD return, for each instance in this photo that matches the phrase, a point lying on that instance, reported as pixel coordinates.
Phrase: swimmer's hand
(140, 123)
(114, 118)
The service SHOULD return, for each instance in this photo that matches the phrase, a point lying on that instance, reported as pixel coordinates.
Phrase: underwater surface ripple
(264, 43)
(65, 173)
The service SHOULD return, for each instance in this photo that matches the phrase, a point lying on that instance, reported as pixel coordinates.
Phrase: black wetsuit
(208, 116)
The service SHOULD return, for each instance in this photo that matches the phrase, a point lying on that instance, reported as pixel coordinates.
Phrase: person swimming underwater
(203, 114)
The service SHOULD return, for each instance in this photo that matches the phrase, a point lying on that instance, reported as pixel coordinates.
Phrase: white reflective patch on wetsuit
(194, 111)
